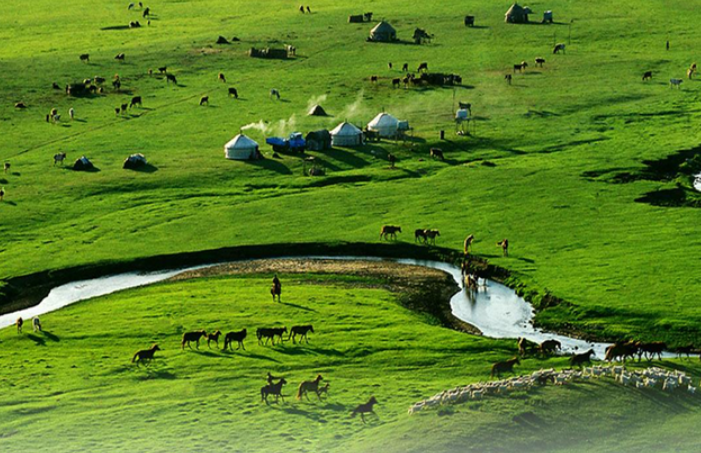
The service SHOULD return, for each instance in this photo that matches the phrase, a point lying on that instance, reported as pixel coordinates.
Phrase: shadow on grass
(50, 336)
(38, 340)
(146, 168)
(301, 307)
(232, 354)
(272, 165)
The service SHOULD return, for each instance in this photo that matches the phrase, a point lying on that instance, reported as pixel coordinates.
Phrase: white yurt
(384, 124)
(345, 134)
(241, 148)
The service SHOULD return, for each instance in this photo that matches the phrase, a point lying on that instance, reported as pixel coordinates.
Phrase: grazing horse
(436, 153)
(163, 69)
(238, 337)
(19, 324)
(85, 58)
(36, 324)
(467, 245)
(581, 359)
(363, 409)
(192, 336)
(374, 79)
(525, 346)
(213, 336)
(171, 78)
(675, 83)
(309, 386)
(6, 167)
(145, 355)
(550, 346)
(559, 47)
(505, 366)
(396, 82)
(273, 389)
(405, 67)
(119, 56)
(420, 236)
(690, 73)
(302, 331)
(204, 100)
(423, 67)
(221, 77)
(508, 78)
(233, 92)
(59, 157)
(136, 100)
(123, 108)
(520, 67)
(504, 244)
(390, 232)
(275, 92)
(647, 75)
(324, 390)
(431, 236)
(539, 61)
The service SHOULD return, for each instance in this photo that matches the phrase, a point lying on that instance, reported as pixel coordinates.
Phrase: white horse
(274, 92)
(36, 324)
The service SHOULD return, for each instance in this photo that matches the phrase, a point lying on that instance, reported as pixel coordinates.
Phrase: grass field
(72, 388)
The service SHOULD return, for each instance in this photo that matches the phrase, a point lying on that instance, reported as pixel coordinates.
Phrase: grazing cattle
(145, 355)
(117, 84)
(508, 78)
(275, 92)
(505, 366)
(309, 10)
(647, 75)
(116, 111)
(580, 359)
(272, 389)
(302, 331)
(119, 56)
(539, 61)
(436, 153)
(98, 80)
(53, 112)
(675, 83)
(85, 58)
(171, 78)
(291, 50)
(221, 77)
(374, 79)
(19, 323)
(131, 5)
(134, 24)
(420, 236)
(136, 100)
(214, 336)
(560, 47)
(525, 346)
(396, 82)
(405, 67)
(504, 244)
(238, 337)
(233, 92)
(467, 245)
(520, 67)
(6, 166)
(146, 12)
(309, 386)
(192, 336)
(59, 157)
(301, 9)
(2, 193)
(390, 232)
(56, 118)
(651, 349)
(550, 346)
(422, 67)
(163, 69)
(431, 236)
(204, 100)
(363, 409)
(36, 324)
(389, 65)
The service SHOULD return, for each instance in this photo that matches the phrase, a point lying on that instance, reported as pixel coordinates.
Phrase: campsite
(254, 144)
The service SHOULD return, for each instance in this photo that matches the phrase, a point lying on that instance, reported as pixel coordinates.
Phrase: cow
(647, 75)
(423, 67)
(233, 92)
(136, 100)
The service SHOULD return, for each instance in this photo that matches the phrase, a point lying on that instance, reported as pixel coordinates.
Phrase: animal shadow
(50, 336)
(38, 340)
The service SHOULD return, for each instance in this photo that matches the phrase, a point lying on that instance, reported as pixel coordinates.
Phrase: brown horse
(276, 290)
(302, 331)
(390, 231)
(19, 323)
(214, 336)
(192, 336)
(273, 389)
(145, 355)
(467, 245)
(309, 386)
(420, 236)
(363, 409)
(581, 359)
(238, 337)
(505, 366)
(504, 244)
(549, 346)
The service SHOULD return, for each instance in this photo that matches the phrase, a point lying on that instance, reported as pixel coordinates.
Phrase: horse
(396, 82)
(192, 336)
(275, 92)
(503, 367)
(363, 409)
(145, 355)
(420, 235)
(204, 100)
(119, 57)
(221, 77)
(392, 159)
(270, 334)
(581, 359)
(467, 245)
(436, 153)
(423, 67)
(650, 349)
(36, 324)
(233, 92)
(504, 244)
(171, 78)
(85, 58)
(374, 79)
(539, 61)
(647, 75)
(524, 346)
(213, 336)
(550, 346)
(431, 236)
(238, 337)
(688, 349)
(59, 157)
(309, 386)
(390, 231)
(19, 324)
(559, 47)
(123, 108)
(324, 390)
(276, 290)
(520, 67)
(273, 389)
(6, 167)
(405, 67)
(302, 331)
(136, 100)
(508, 78)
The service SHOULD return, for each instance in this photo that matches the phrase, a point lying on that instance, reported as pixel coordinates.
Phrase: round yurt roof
(241, 142)
(383, 120)
(345, 129)
(383, 27)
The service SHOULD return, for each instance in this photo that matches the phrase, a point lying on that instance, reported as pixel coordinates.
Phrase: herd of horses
(428, 236)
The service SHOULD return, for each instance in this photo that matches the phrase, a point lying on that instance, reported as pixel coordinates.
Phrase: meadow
(541, 168)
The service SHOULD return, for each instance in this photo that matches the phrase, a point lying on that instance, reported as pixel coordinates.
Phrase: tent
(318, 140)
(134, 161)
(83, 164)
(345, 134)
(241, 148)
(384, 124)
(516, 14)
(317, 110)
(383, 32)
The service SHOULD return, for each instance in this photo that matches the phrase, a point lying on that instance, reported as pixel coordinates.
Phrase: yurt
(135, 161)
(318, 140)
(516, 15)
(83, 164)
(345, 134)
(384, 124)
(383, 32)
(317, 110)
(241, 148)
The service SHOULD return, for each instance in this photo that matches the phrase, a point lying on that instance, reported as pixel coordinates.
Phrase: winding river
(495, 309)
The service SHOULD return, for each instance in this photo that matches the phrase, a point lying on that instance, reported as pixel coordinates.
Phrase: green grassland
(72, 388)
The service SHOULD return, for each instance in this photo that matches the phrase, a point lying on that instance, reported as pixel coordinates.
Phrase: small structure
(134, 162)
(383, 32)
(385, 125)
(469, 21)
(222, 40)
(462, 121)
(241, 148)
(345, 134)
(83, 164)
(317, 110)
(318, 140)
(548, 17)
(517, 14)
